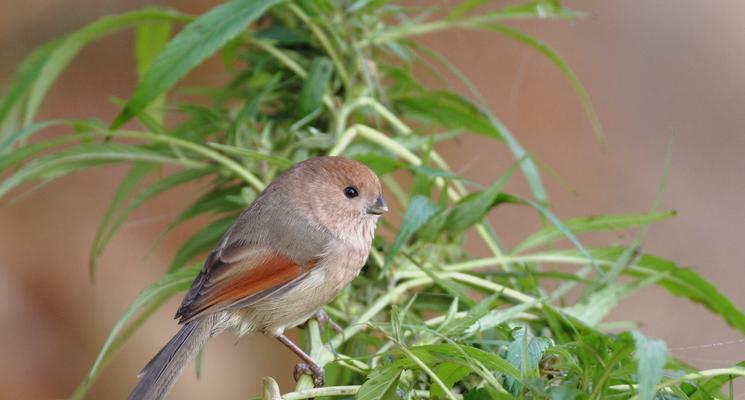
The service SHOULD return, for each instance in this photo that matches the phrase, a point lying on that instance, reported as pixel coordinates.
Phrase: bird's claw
(324, 320)
(315, 371)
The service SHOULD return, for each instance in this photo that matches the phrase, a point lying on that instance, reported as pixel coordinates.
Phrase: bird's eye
(350, 192)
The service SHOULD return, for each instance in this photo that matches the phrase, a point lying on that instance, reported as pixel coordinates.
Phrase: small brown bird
(291, 252)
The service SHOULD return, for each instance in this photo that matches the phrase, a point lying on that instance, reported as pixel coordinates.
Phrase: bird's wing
(240, 273)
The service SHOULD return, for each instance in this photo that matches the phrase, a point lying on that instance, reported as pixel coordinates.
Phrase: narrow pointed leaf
(253, 154)
(448, 110)
(163, 288)
(150, 40)
(524, 353)
(679, 281)
(650, 358)
(201, 242)
(591, 224)
(458, 326)
(380, 383)
(24, 133)
(130, 181)
(196, 42)
(314, 86)
(47, 64)
(84, 156)
(579, 89)
(165, 184)
(431, 354)
(419, 210)
(449, 374)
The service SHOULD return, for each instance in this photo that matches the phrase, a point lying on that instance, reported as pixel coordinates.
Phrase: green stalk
(322, 392)
(693, 376)
(468, 23)
(324, 42)
(428, 371)
(242, 172)
(346, 138)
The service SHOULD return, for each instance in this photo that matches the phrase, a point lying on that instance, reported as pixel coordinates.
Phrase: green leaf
(201, 242)
(579, 89)
(524, 352)
(448, 110)
(455, 289)
(215, 202)
(150, 40)
(458, 326)
(526, 162)
(419, 210)
(436, 173)
(546, 213)
(84, 156)
(45, 65)
(436, 353)
(687, 283)
(283, 35)
(677, 280)
(474, 207)
(449, 374)
(591, 224)
(136, 173)
(495, 318)
(218, 201)
(162, 185)
(650, 357)
(567, 391)
(599, 303)
(314, 86)
(706, 389)
(196, 42)
(465, 6)
(28, 71)
(14, 158)
(478, 394)
(280, 162)
(380, 164)
(155, 294)
(25, 133)
(381, 384)
(423, 184)
(470, 209)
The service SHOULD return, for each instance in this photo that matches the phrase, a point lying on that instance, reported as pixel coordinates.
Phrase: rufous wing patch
(273, 272)
(243, 280)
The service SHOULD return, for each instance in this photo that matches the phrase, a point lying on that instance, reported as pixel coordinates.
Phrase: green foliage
(426, 318)
(650, 356)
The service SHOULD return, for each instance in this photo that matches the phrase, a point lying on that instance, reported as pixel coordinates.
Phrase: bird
(305, 237)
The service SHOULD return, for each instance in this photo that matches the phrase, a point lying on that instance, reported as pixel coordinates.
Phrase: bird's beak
(378, 207)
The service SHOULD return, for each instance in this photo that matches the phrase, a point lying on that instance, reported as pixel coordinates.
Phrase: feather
(161, 372)
(258, 273)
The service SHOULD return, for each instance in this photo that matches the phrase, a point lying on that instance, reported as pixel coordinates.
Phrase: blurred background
(655, 71)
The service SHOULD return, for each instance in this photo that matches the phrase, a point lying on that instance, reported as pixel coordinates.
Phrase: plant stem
(324, 391)
(468, 23)
(318, 352)
(239, 170)
(325, 43)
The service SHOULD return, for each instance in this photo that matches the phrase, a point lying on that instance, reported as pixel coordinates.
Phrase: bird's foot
(314, 370)
(324, 320)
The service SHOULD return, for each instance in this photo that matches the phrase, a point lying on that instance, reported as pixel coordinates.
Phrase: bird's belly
(291, 307)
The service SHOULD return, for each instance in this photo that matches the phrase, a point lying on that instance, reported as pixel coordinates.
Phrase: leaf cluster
(307, 78)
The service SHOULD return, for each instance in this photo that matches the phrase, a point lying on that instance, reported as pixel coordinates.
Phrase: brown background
(654, 69)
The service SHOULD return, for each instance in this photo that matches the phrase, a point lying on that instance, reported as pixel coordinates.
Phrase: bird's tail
(161, 372)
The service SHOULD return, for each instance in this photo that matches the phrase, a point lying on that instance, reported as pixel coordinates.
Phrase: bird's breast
(335, 269)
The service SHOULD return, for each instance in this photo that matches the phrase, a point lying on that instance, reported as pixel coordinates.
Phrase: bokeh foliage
(310, 78)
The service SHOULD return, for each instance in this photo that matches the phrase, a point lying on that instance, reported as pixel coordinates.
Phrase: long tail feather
(161, 372)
